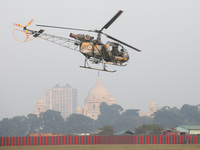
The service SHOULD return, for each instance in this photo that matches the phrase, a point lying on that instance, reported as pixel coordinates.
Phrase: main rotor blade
(110, 37)
(64, 28)
(19, 25)
(112, 20)
(29, 23)
(27, 35)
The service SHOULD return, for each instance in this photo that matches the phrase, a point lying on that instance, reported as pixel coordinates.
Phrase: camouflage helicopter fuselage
(108, 52)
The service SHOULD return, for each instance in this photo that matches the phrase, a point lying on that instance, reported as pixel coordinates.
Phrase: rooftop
(190, 127)
(125, 132)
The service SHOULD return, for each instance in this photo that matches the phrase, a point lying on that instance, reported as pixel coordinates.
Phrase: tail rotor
(24, 27)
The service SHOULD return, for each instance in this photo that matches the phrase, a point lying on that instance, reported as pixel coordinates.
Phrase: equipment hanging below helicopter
(111, 53)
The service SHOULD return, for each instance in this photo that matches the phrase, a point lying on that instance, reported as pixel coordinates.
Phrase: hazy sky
(167, 70)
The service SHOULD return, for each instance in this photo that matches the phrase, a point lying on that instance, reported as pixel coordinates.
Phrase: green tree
(51, 122)
(77, 123)
(109, 114)
(34, 124)
(108, 130)
(127, 121)
(149, 127)
(5, 127)
(131, 113)
(168, 117)
(16, 126)
(190, 114)
(20, 124)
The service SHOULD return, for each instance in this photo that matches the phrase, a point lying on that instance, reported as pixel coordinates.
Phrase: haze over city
(167, 70)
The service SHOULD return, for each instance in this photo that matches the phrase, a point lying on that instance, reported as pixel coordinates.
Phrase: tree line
(111, 115)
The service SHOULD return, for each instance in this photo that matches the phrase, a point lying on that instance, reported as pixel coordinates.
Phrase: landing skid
(98, 69)
(113, 64)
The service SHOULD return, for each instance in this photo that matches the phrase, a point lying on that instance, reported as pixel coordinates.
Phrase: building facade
(96, 96)
(40, 107)
(189, 129)
(62, 99)
(152, 109)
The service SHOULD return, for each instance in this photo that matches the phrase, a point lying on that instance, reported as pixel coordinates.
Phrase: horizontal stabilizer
(38, 33)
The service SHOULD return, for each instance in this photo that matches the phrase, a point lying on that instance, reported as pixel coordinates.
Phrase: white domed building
(152, 109)
(96, 96)
(40, 107)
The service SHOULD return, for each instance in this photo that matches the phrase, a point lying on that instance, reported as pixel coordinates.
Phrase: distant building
(169, 132)
(40, 107)
(188, 129)
(125, 132)
(45, 134)
(152, 109)
(61, 98)
(96, 96)
(99, 132)
(198, 106)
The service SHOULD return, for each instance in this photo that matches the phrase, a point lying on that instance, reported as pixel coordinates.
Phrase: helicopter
(94, 50)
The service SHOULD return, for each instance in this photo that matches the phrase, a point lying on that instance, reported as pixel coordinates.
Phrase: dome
(40, 102)
(152, 106)
(40, 107)
(153, 102)
(78, 110)
(96, 96)
(100, 93)
(98, 90)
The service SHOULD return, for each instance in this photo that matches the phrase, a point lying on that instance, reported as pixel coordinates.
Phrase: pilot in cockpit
(115, 51)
